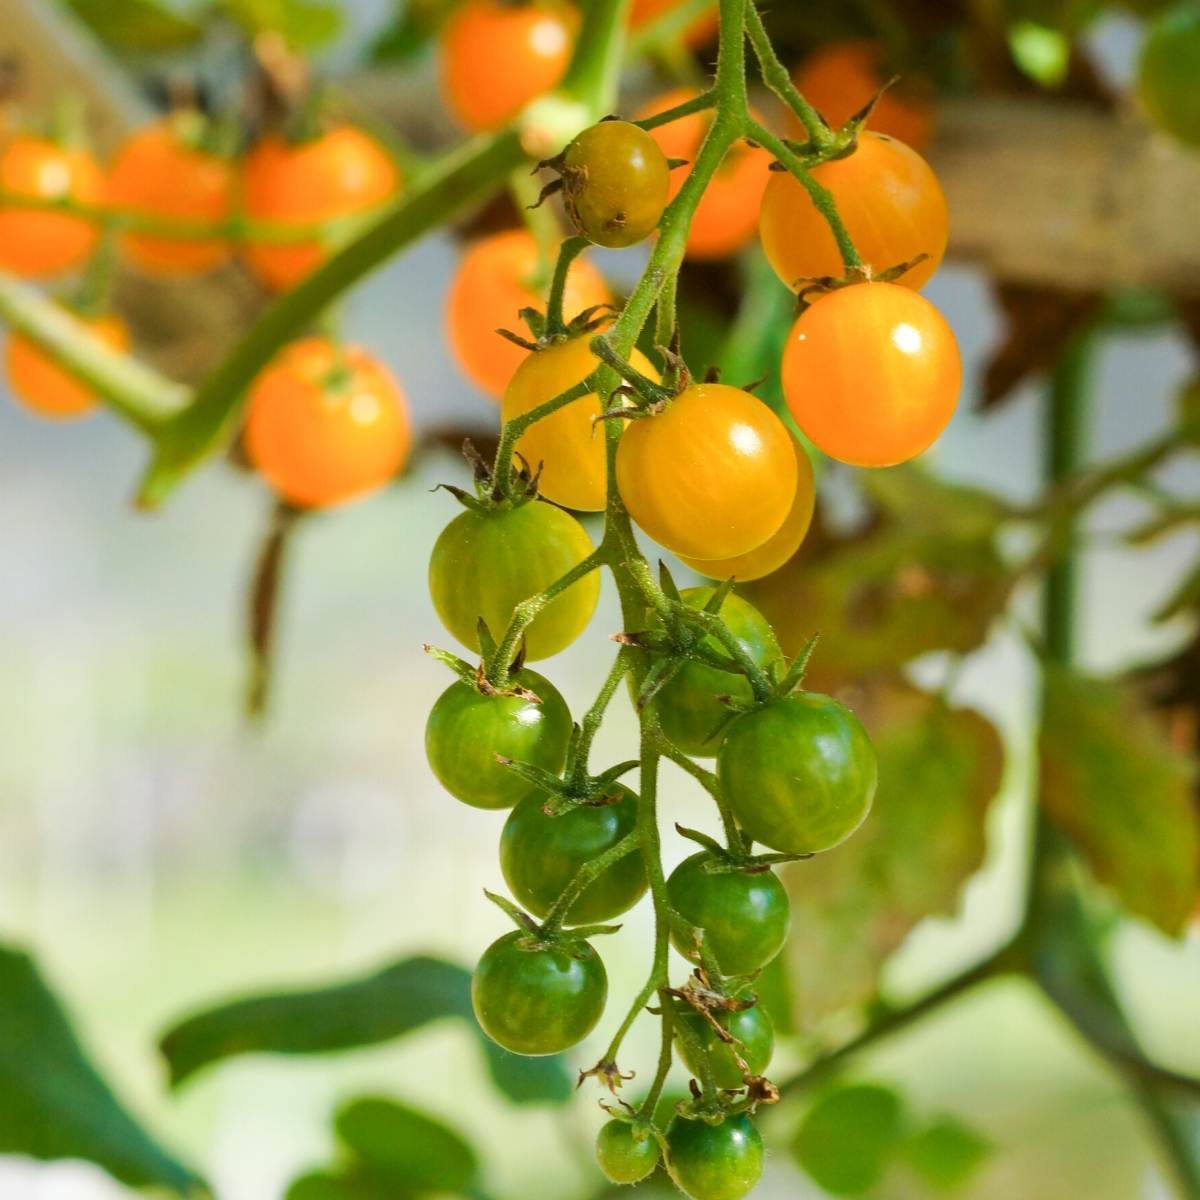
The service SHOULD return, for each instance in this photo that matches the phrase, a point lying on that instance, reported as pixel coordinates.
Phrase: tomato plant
(749, 1053)
(702, 29)
(43, 386)
(1166, 82)
(626, 1154)
(714, 1162)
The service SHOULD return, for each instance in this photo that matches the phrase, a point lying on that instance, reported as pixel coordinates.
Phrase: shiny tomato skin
(48, 389)
(714, 1162)
(872, 374)
(537, 1001)
(326, 423)
(755, 1037)
(712, 476)
(622, 1156)
(485, 563)
(799, 773)
(157, 173)
(340, 172)
(467, 729)
(780, 547)
(744, 914)
(36, 243)
(889, 200)
(493, 283)
(497, 57)
(568, 445)
(540, 855)
(687, 707)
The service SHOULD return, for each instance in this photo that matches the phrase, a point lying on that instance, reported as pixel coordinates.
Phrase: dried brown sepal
(608, 1073)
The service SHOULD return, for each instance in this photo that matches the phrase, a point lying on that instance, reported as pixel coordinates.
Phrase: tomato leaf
(394, 1001)
(946, 1153)
(416, 24)
(142, 26)
(303, 24)
(849, 1137)
(1114, 785)
(939, 769)
(54, 1104)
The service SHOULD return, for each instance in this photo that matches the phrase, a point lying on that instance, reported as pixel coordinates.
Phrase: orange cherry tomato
(568, 444)
(39, 243)
(839, 79)
(490, 288)
(497, 57)
(159, 173)
(326, 423)
(701, 30)
(727, 214)
(781, 545)
(713, 476)
(889, 200)
(338, 173)
(45, 387)
(872, 374)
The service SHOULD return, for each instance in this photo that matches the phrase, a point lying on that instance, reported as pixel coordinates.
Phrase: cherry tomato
(540, 855)
(1168, 72)
(889, 200)
(781, 545)
(615, 183)
(840, 78)
(497, 57)
(755, 1044)
(39, 243)
(326, 423)
(162, 171)
(493, 283)
(538, 999)
(623, 1155)
(744, 914)
(799, 774)
(872, 374)
(728, 213)
(713, 476)
(47, 388)
(687, 707)
(701, 30)
(467, 729)
(714, 1162)
(568, 445)
(485, 563)
(336, 174)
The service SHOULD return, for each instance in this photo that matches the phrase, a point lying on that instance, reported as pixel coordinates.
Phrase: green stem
(584, 877)
(595, 71)
(701, 103)
(776, 77)
(512, 430)
(570, 250)
(594, 717)
(666, 1046)
(712, 785)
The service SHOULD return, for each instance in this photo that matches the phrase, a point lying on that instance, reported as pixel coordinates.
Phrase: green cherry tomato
(1168, 79)
(616, 181)
(540, 855)
(744, 914)
(799, 773)
(756, 1043)
(688, 708)
(485, 563)
(623, 1157)
(466, 730)
(537, 999)
(714, 1162)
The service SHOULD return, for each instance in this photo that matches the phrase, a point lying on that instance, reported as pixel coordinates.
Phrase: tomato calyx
(726, 861)
(576, 788)
(649, 398)
(810, 288)
(549, 935)
(490, 493)
(840, 142)
(611, 1076)
(477, 678)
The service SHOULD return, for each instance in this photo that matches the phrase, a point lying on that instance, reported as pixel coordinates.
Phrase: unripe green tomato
(715, 1162)
(540, 855)
(466, 730)
(485, 563)
(1168, 78)
(744, 914)
(799, 773)
(688, 708)
(622, 1156)
(616, 181)
(538, 1000)
(756, 1043)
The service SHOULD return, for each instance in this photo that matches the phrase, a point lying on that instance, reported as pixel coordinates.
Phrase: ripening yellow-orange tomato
(872, 374)
(889, 200)
(44, 386)
(712, 476)
(568, 445)
(326, 423)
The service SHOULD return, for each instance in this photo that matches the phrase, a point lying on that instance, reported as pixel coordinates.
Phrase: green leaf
(144, 26)
(1114, 785)
(303, 24)
(54, 1104)
(849, 1137)
(1041, 53)
(946, 1153)
(354, 1183)
(401, 1144)
(939, 769)
(361, 1012)
(416, 25)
